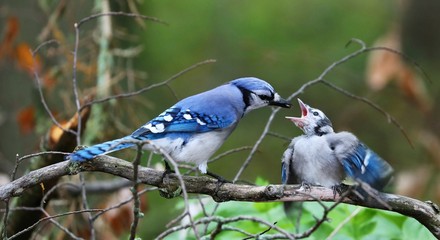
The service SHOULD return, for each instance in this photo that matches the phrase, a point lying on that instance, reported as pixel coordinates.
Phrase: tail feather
(99, 149)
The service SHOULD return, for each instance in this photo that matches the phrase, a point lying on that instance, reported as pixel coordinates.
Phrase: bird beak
(300, 121)
(303, 107)
(280, 102)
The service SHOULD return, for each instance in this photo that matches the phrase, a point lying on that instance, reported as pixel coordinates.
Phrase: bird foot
(220, 181)
(306, 186)
(167, 171)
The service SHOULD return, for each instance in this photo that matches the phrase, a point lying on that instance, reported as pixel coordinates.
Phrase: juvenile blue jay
(323, 157)
(195, 127)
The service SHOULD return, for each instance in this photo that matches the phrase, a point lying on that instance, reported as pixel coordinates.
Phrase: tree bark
(426, 213)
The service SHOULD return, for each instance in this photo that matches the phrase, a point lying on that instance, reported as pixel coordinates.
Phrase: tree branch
(425, 212)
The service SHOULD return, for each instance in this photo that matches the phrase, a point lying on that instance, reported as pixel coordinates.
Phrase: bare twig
(52, 220)
(97, 215)
(223, 221)
(135, 15)
(38, 154)
(390, 118)
(134, 189)
(339, 227)
(51, 217)
(163, 83)
(257, 144)
(97, 187)
(40, 89)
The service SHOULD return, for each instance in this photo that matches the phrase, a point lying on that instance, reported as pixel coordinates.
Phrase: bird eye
(265, 97)
(315, 113)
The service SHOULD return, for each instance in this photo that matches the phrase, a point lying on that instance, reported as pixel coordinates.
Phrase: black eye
(265, 97)
(315, 114)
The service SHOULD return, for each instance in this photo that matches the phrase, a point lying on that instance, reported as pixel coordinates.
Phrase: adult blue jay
(323, 157)
(195, 127)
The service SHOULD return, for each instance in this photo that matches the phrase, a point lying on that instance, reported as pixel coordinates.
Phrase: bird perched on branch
(195, 127)
(323, 157)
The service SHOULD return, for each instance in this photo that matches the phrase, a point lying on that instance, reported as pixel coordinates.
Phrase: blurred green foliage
(287, 43)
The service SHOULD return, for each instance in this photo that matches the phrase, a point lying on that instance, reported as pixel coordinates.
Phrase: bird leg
(220, 181)
(218, 177)
(168, 170)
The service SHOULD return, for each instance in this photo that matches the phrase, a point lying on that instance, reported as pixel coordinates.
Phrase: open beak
(280, 102)
(300, 121)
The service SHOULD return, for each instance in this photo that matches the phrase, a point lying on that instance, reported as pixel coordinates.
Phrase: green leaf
(367, 228)
(261, 181)
(412, 229)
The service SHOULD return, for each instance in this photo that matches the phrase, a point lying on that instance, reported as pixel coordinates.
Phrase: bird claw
(306, 186)
(169, 192)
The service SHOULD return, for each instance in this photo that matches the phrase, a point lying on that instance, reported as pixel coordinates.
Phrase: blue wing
(284, 173)
(173, 120)
(365, 165)
(178, 120)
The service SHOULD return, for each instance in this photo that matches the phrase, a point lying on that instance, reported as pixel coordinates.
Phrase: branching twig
(163, 83)
(40, 88)
(390, 118)
(51, 217)
(86, 19)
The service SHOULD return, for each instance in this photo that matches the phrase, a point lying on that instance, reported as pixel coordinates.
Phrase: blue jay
(194, 128)
(323, 157)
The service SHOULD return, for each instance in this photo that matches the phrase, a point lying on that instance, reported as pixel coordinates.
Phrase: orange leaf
(25, 59)
(414, 89)
(11, 33)
(26, 120)
(49, 81)
(119, 219)
(383, 66)
(55, 132)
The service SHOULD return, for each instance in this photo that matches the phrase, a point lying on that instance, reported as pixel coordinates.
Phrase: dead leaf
(119, 219)
(49, 81)
(56, 134)
(26, 120)
(11, 32)
(414, 89)
(383, 66)
(431, 143)
(25, 60)
(413, 183)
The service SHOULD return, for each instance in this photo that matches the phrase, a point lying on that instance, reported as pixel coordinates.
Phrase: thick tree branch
(425, 212)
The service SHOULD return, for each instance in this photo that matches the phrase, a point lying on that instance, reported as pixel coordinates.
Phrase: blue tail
(365, 165)
(90, 152)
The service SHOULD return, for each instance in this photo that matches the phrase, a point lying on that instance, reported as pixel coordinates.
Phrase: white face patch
(276, 97)
(200, 122)
(168, 118)
(187, 116)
